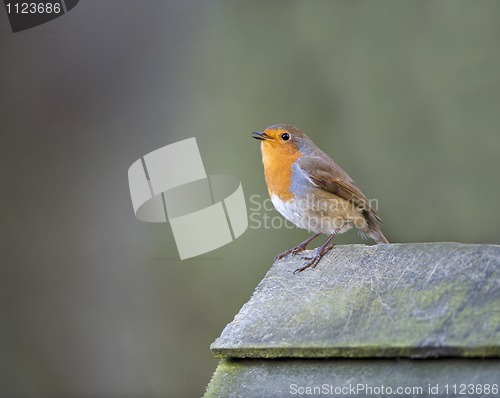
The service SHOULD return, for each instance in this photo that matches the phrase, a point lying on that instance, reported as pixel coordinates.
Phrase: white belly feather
(314, 221)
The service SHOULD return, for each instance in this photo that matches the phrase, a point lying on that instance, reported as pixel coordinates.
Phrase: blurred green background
(405, 96)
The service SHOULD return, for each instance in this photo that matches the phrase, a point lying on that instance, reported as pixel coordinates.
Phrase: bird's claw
(311, 264)
(293, 252)
(314, 260)
(296, 249)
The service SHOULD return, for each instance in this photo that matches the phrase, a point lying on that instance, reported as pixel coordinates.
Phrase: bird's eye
(285, 136)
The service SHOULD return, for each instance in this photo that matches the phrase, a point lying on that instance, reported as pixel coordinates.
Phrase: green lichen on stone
(279, 378)
(414, 300)
(225, 375)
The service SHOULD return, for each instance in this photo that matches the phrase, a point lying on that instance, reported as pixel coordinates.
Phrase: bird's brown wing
(329, 176)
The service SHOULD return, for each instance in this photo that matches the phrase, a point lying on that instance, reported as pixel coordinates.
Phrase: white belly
(314, 221)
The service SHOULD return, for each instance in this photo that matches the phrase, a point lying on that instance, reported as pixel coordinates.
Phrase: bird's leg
(296, 249)
(325, 248)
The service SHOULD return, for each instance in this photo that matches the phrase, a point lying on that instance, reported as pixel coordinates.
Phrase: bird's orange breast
(278, 163)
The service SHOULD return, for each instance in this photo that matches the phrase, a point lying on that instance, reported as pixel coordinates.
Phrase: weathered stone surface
(398, 300)
(297, 377)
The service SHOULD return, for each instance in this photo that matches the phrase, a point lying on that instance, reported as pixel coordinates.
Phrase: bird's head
(284, 139)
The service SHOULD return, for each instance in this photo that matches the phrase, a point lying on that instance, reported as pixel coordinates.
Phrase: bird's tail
(373, 231)
(377, 235)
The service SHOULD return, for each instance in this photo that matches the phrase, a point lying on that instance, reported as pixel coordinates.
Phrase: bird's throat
(278, 169)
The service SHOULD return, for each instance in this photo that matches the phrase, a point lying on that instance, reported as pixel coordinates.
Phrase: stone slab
(397, 300)
(444, 377)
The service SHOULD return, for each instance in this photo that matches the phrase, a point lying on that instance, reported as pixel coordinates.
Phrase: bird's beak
(260, 136)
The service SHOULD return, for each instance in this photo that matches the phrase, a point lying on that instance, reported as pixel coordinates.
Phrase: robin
(312, 191)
